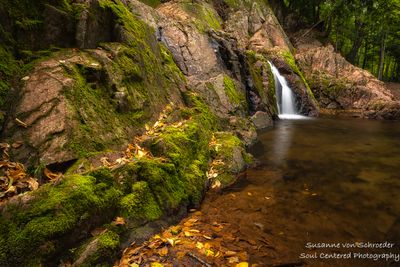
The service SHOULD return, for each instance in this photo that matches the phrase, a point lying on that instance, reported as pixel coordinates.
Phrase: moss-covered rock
(230, 157)
(98, 251)
(53, 217)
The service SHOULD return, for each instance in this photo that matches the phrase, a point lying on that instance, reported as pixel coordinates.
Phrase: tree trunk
(358, 40)
(365, 59)
(382, 56)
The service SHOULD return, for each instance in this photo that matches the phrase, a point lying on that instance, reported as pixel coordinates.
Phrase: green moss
(226, 150)
(232, 92)
(140, 204)
(53, 212)
(152, 3)
(205, 17)
(290, 60)
(101, 250)
(268, 95)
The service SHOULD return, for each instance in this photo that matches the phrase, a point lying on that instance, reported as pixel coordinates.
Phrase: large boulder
(79, 102)
(339, 85)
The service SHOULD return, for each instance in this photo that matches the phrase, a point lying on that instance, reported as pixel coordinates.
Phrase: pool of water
(320, 182)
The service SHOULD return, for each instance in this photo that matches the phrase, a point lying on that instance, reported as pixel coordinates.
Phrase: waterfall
(285, 99)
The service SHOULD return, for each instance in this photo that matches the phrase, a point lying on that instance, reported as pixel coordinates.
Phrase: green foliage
(366, 32)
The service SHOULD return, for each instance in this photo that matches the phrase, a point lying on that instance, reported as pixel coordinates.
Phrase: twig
(199, 260)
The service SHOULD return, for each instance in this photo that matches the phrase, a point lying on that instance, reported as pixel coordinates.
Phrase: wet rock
(261, 120)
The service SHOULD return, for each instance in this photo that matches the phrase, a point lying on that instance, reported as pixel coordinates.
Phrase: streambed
(320, 181)
(325, 193)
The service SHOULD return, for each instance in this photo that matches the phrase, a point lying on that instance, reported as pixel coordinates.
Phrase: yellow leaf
(156, 264)
(188, 234)
(199, 245)
(209, 253)
(242, 264)
(207, 237)
(173, 241)
(134, 265)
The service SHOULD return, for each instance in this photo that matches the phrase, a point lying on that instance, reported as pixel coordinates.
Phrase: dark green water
(330, 181)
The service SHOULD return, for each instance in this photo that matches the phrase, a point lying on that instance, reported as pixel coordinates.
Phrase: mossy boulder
(52, 218)
(230, 157)
(95, 99)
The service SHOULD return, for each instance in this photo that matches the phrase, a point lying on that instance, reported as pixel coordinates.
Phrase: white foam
(293, 117)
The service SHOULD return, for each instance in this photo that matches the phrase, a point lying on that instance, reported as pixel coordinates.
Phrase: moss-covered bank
(58, 216)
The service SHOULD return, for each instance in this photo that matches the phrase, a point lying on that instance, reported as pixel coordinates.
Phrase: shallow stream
(320, 182)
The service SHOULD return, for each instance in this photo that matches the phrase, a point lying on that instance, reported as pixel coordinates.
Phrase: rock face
(79, 102)
(338, 85)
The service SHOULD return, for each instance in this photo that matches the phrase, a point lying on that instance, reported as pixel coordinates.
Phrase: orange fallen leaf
(119, 221)
(242, 264)
(50, 175)
(163, 252)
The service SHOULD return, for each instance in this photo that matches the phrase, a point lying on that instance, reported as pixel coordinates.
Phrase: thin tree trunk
(388, 66)
(382, 56)
(352, 56)
(365, 59)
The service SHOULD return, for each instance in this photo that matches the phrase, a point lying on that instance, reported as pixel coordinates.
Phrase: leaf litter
(193, 242)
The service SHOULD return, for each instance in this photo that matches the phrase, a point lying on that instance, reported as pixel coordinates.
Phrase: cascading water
(285, 99)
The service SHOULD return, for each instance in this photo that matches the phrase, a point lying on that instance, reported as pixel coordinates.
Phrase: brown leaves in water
(191, 243)
(13, 178)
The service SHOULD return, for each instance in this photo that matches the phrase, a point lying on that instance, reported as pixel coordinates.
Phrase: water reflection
(283, 140)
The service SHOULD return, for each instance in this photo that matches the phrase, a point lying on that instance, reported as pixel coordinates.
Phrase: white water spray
(286, 105)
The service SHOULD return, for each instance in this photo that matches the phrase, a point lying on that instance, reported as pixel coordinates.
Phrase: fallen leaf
(230, 253)
(242, 264)
(163, 252)
(173, 241)
(17, 144)
(119, 221)
(33, 184)
(50, 175)
(188, 234)
(21, 123)
(209, 253)
(199, 245)
(232, 260)
(156, 264)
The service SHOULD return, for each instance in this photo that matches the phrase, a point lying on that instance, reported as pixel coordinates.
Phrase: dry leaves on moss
(13, 177)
